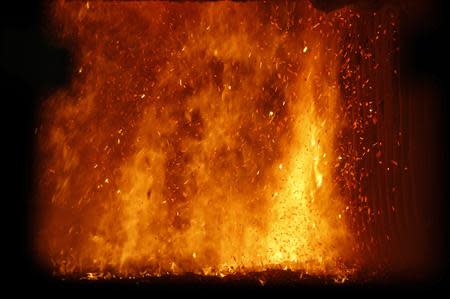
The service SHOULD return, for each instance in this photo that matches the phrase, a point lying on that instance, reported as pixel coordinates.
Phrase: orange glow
(194, 137)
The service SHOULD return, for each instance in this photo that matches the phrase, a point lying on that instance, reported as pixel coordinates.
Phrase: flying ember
(204, 138)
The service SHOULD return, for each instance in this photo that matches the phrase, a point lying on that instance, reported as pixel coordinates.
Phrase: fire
(194, 137)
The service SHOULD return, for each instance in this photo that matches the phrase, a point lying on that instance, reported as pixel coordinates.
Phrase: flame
(193, 138)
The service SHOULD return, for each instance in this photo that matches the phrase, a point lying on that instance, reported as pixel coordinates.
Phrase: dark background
(31, 68)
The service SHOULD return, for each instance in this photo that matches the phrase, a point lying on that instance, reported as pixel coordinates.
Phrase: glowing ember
(195, 137)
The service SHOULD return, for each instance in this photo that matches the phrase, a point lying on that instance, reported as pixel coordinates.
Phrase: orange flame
(193, 138)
